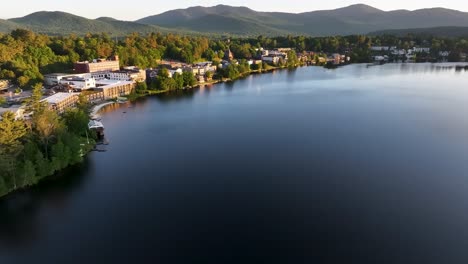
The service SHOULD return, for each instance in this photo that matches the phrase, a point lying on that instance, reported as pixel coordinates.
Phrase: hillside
(242, 21)
(354, 19)
(7, 26)
(60, 23)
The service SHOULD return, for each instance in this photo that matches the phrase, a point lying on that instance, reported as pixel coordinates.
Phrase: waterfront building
(61, 101)
(112, 89)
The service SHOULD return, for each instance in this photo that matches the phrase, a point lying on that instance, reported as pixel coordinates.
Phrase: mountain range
(242, 21)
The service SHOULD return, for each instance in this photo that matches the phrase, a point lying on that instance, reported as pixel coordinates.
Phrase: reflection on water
(362, 164)
(19, 212)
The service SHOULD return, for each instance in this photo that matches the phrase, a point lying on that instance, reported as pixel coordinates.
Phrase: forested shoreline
(33, 149)
(26, 56)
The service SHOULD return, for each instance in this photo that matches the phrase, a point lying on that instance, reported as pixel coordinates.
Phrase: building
(172, 72)
(444, 53)
(380, 48)
(284, 50)
(100, 65)
(228, 55)
(421, 50)
(127, 74)
(112, 89)
(94, 96)
(271, 59)
(62, 101)
(55, 78)
(78, 83)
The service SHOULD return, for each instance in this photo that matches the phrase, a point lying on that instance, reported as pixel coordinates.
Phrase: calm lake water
(355, 165)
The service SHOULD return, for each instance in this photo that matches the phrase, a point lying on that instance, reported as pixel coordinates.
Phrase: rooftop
(106, 84)
(58, 97)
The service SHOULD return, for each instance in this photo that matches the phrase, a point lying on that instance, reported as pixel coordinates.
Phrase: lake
(362, 164)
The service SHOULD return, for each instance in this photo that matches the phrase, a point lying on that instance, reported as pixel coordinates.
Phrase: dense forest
(26, 56)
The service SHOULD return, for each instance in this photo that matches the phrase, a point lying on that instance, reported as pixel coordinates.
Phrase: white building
(54, 78)
(421, 50)
(444, 53)
(174, 71)
(79, 83)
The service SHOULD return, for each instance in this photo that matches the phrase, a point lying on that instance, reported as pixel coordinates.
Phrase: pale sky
(135, 9)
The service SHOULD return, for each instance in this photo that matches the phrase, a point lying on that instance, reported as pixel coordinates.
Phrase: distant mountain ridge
(61, 23)
(354, 19)
(243, 21)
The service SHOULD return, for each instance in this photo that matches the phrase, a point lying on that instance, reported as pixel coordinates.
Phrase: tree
(76, 120)
(2, 100)
(179, 80)
(11, 132)
(46, 125)
(209, 75)
(27, 174)
(292, 59)
(34, 103)
(141, 87)
(189, 79)
(231, 72)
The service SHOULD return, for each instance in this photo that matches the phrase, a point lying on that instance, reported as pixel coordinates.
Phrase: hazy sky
(135, 9)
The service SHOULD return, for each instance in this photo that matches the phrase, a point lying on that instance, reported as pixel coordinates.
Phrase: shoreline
(98, 107)
(95, 109)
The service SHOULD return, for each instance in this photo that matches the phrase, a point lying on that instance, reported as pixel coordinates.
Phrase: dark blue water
(355, 165)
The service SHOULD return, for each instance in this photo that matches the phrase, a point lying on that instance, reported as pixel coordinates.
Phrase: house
(336, 58)
(283, 50)
(174, 71)
(200, 78)
(380, 48)
(271, 59)
(421, 50)
(444, 53)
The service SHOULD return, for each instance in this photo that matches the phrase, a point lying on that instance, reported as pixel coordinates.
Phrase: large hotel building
(101, 65)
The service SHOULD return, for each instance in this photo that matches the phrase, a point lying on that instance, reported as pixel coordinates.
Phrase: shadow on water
(178, 95)
(19, 211)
